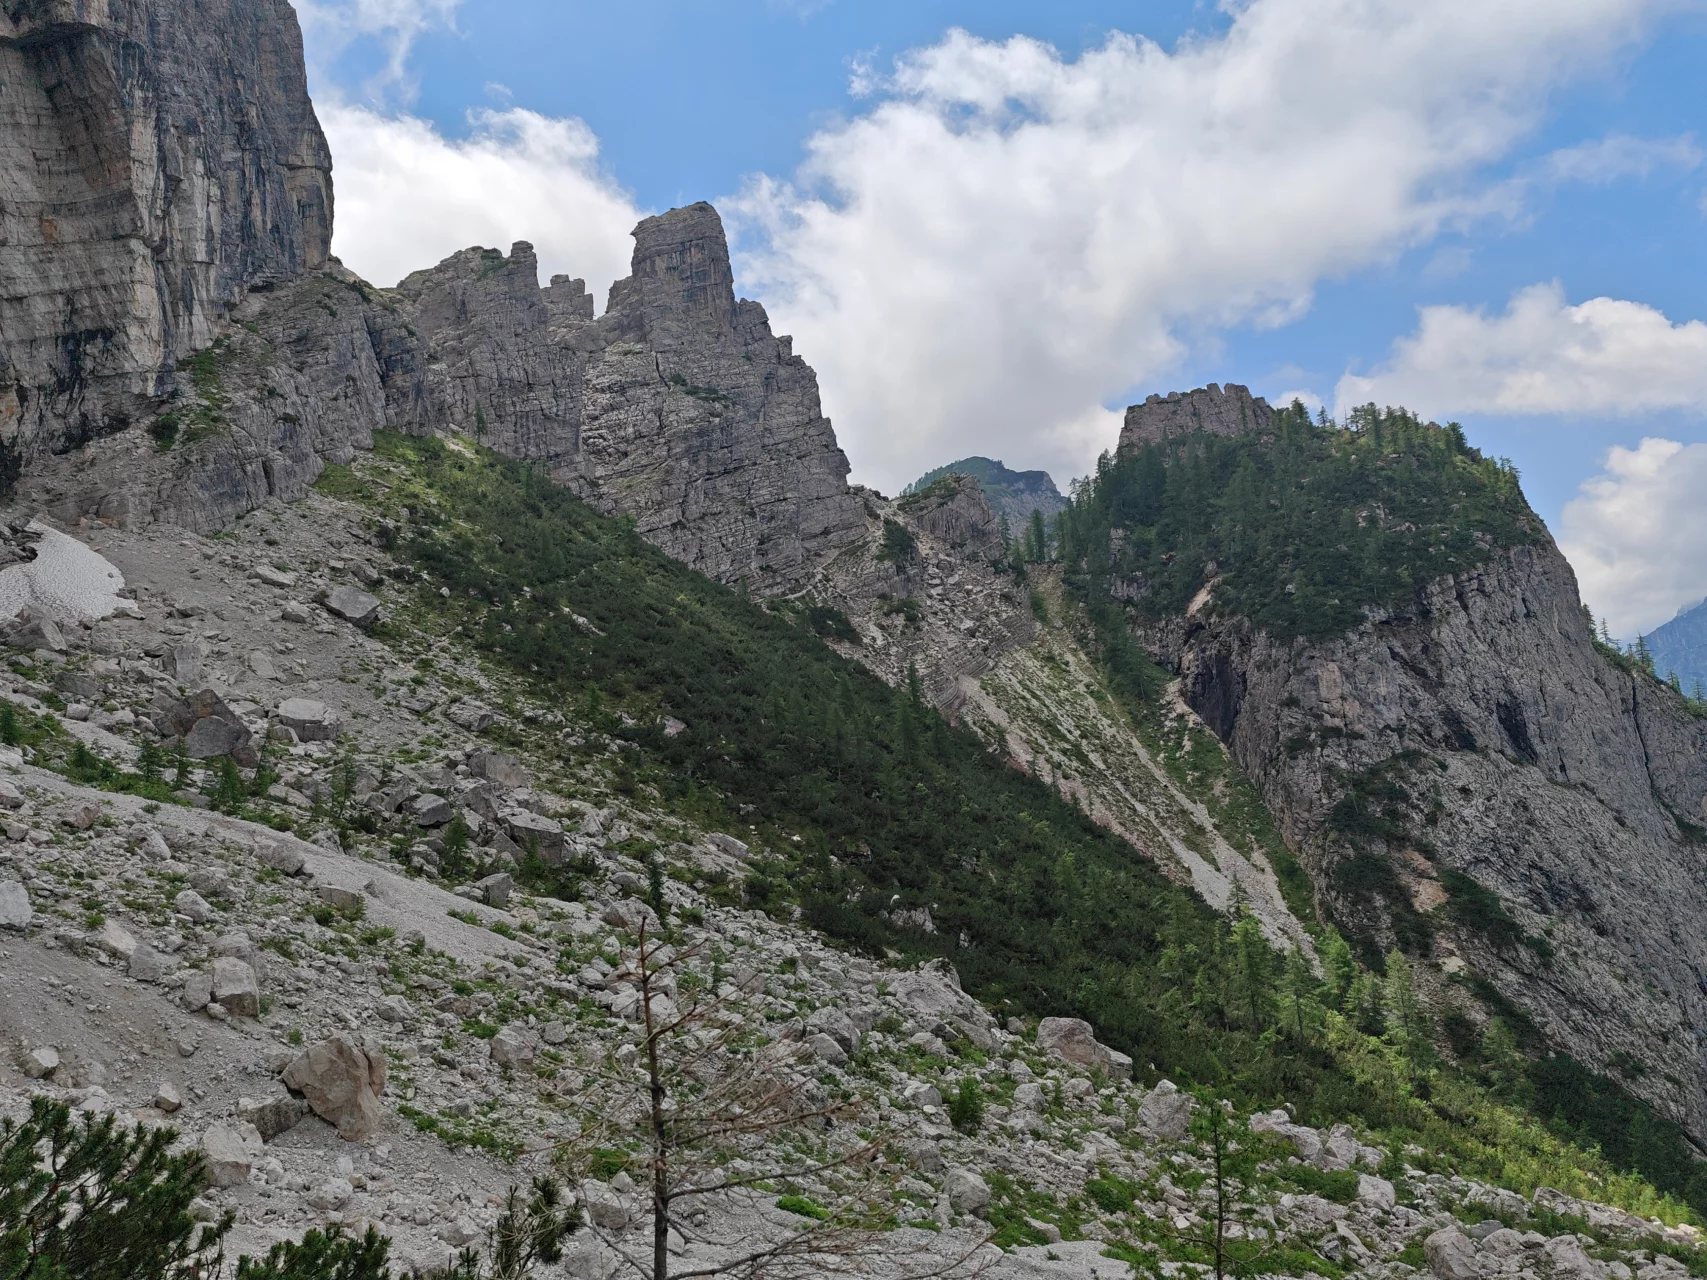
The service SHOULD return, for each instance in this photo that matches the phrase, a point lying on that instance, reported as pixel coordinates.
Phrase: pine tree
(1339, 967)
(1255, 961)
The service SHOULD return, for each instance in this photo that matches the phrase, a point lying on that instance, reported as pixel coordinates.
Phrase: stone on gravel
(1069, 1039)
(496, 767)
(310, 720)
(353, 606)
(554, 1033)
(342, 1082)
(967, 1192)
(827, 1050)
(148, 965)
(10, 796)
(272, 1116)
(836, 1024)
(925, 1156)
(471, 716)
(41, 1062)
(274, 577)
(513, 1047)
(191, 904)
(198, 991)
(230, 1151)
(37, 633)
(236, 987)
(334, 1193)
(1166, 1112)
(727, 844)
(15, 909)
(297, 612)
(167, 1098)
(114, 939)
(281, 858)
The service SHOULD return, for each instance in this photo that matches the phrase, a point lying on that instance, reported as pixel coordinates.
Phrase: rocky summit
(480, 785)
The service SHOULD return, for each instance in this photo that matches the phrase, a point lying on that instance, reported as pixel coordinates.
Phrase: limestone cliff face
(678, 406)
(158, 159)
(1478, 732)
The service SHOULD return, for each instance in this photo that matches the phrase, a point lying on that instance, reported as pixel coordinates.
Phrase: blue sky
(1565, 149)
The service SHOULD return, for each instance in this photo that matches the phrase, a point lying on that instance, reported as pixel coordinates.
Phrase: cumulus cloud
(1637, 534)
(408, 197)
(1600, 358)
(1007, 240)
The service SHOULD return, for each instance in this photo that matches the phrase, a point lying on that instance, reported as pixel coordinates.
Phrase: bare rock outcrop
(1537, 808)
(1211, 410)
(158, 160)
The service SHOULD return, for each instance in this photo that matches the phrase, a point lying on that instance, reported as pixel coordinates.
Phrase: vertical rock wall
(158, 159)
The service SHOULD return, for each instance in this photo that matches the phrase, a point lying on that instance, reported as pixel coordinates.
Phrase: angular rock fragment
(342, 1082)
(353, 606)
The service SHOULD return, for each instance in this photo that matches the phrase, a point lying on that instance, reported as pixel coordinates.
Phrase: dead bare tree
(704, 1092)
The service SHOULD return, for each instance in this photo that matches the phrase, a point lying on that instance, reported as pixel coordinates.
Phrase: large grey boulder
(429, 810)
(1451, 1255)
(836, 1024)
(310, 719)
(236, 988)
(353, 606)
(496, 767)
(526, 828)
(1307, 1142)
(513, 1047)
(1166, 1112)
(35, 633)
(967, 1192)
(272, 1116)
(342, 1081)
(230, 1152)
(148, 965)
(15, 909)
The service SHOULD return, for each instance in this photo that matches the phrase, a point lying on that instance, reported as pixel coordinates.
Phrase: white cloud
(1637, 534)
(1601, 358)
(1007, 240)
(1621, 156)
(331, 27)
(408, 197)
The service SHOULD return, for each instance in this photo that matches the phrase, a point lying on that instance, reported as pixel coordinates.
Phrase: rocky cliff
(157, 161)
(1467, 774)
(1215, 411)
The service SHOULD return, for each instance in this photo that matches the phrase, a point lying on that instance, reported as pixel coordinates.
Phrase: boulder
(236, 988)
(15, 909)
(836, 1024)
(332, 1194)
(605, 1209)
(1340, 1149)
(208, 727)
(41, 1062)
(192, 905)
(348, 901)
(967, 1192)
(261, 663)
(310, 720)
(527, 829)
(167, 1098)
(230, 1152)
(1307, 1142)
(1570, 1262)
(826, 1049)
(272, 1116)
(342, 1082)
(1166, 1112)
(1375, 1192)
(1451, 1255)
(148, 965)
(727, 844)
(114, 939)
(513, 1047)
(1030, 1097)
(353, 606)
(10, 796)
(183, 662)
(281, 858)
(197, 992)
(554, 1033)
(918, 1093)
(1069, 1039)
(429, 810)
(496, 767)
(924, 1156)
(35, 633)
(495, 889)
(274, 577)
(471, 716)
(297, 612)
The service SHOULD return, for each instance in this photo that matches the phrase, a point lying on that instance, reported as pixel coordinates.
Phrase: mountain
(1679, 647)
(1014, 494)
(451, 739)
(1394, 651)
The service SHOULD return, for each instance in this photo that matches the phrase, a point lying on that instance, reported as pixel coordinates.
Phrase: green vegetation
(1298, 533)
(92, 1201)
(860, 799)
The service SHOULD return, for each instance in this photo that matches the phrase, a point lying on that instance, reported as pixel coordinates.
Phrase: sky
(991, 224)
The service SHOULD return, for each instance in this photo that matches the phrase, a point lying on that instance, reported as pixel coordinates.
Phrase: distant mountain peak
(1014, 494)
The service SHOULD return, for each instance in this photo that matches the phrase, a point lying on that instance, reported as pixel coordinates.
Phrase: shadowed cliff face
(1478, 733)
(157, 161)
